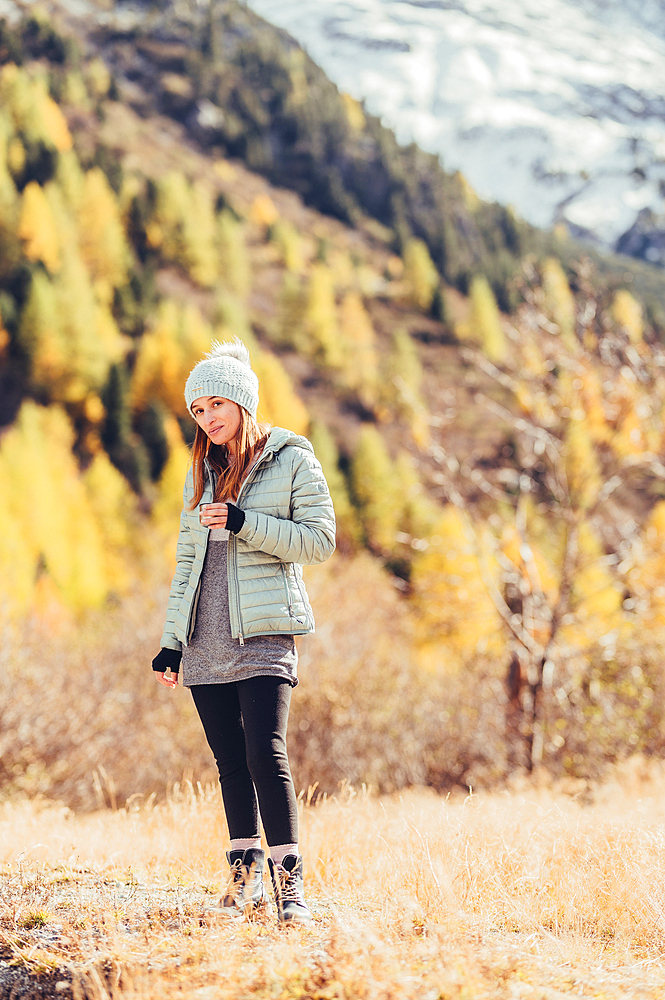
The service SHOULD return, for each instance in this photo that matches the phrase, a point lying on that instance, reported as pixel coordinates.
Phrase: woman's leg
(220, 712)
(264, 704)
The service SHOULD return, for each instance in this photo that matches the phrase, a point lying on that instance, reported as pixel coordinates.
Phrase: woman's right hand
(167, 659)
(169, 682)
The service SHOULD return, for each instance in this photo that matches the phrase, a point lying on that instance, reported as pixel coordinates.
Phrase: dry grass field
(537, 892)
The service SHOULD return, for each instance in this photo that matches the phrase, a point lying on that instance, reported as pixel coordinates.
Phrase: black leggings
(245, 725)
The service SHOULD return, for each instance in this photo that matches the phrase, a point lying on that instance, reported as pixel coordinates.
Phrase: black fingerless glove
(167, 659)
(235, 518)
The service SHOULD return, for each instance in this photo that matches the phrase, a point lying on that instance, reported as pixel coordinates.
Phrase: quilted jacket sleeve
(184, 558)
(309, 535)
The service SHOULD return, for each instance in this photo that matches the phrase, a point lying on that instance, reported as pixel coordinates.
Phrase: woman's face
(219, 418)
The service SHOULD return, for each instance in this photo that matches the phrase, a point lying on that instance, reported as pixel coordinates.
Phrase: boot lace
(288, 883)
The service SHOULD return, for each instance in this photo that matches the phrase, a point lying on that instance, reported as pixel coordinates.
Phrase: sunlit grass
(529, 893)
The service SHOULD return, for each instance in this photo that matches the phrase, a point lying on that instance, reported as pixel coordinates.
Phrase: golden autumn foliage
(101, 236)
(376, 489)
(361, 363)
(559, 300)
(485, 321)
(278, 402)
(234, 265)
(38, 228)
(507, 503)
(33, 110)
(166, 508)
(320, 320)
(178, 338)
(452, 599)
(581, 464)
(56, 523)
(287, 240)
(325, 448)
(627, 314)
(420, 274)
(263, 211)
(73, 339)
(183, 226)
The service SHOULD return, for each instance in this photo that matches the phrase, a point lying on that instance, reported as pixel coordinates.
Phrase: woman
(256, 507)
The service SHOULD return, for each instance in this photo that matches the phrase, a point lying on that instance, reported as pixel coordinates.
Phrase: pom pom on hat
(225, 371)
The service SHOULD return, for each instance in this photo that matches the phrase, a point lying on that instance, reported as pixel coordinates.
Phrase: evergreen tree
(123, 448)
(151, 430)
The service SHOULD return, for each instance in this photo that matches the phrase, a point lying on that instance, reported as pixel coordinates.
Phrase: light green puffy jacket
(289, 520)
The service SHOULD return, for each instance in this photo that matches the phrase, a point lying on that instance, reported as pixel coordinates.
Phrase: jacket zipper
(195, 602)
(233, 555)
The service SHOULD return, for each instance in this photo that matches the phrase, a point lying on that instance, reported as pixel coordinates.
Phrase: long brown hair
(250, 440)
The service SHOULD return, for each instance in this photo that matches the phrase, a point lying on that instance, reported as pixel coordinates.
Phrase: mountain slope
(556, 109)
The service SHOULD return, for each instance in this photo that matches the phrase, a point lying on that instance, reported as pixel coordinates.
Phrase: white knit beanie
(225, 371)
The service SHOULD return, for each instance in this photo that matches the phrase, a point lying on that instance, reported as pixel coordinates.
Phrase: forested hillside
(486, 400)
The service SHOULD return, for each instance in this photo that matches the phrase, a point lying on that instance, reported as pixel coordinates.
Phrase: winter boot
(287, 882)
(246, 891)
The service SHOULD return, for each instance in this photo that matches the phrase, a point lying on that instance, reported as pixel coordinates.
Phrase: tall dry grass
(537, 892)
(83, 721)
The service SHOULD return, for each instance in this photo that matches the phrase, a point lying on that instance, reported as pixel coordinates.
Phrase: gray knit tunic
(213, 656)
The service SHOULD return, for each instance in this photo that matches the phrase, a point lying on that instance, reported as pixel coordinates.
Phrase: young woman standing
(256, 507)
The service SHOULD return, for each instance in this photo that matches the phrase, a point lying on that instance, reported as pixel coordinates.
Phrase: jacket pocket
(289, 601)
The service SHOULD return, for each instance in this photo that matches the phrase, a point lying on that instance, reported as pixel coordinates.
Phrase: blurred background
(470, 330)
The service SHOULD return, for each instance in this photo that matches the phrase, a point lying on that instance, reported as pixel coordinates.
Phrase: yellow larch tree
(421, 276)
(348, 526)
(449, 581)
(320, 320)
(646, 577)
(33, 110)
(234, 263)
(581, 464)
(70, 179)
(287, 240)
(485, 320)
(358, 338)
(559, 299)
(596, 599)
(376, 490)
(167, 353)
(102, 239)
(199, 236)
(627, 314)
(38, 229)
(401, 387)
(279, 403)
(166, 508)
(64, 542)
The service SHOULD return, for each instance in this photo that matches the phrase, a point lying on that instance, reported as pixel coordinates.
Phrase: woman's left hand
(213, 515)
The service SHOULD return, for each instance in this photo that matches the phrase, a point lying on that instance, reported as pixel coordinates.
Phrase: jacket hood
(280, 437)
